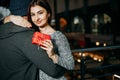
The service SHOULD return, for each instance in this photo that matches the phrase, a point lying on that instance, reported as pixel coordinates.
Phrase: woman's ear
(49, 18)
(49, 15)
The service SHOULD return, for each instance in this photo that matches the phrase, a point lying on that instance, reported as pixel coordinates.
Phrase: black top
(20, 59)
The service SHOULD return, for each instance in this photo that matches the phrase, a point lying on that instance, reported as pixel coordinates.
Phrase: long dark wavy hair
(42, 3)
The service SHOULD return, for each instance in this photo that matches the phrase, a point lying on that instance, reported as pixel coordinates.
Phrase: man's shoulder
(18, 29)
(11, 29)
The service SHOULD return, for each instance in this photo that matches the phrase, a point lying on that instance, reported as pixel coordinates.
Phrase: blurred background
(92, 29)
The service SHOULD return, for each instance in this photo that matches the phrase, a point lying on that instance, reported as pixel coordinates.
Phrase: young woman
(39, 14)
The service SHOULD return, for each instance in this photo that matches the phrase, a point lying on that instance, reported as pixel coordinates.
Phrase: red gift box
(39, 37)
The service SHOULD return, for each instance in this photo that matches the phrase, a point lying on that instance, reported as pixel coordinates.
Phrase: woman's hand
(48, 46)
(21, 21)
(18, 20)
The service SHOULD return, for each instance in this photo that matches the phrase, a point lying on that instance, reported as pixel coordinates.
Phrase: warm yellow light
(97, 43)
(80, 53)
(79, 60)
(104, 44)
(95, 58)
(99, 60)
(83, 55)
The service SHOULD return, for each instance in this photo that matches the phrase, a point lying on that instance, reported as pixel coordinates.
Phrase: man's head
(19, 7)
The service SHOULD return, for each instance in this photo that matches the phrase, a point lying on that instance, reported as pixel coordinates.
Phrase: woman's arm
(40, 58)
(65, 57)
(18, 20)
(48, 46)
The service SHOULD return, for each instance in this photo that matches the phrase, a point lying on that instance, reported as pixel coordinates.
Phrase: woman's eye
(40, 12)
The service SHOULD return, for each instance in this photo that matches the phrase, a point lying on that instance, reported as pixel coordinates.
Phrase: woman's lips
(38, 21)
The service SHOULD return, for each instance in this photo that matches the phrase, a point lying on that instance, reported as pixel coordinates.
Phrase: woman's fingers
(18, 20)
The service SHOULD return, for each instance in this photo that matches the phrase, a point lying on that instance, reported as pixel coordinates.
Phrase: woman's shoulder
(58, 34)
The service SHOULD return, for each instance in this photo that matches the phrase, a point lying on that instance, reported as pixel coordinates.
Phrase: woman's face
(39, 16)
